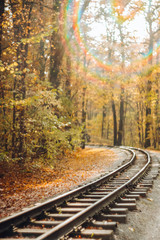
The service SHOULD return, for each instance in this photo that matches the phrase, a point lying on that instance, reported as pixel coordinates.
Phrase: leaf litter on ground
(20, 188)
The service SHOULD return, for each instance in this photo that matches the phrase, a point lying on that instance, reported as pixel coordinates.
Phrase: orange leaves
(22, 187)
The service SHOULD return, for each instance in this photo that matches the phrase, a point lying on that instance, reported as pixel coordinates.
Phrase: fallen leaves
(21, 188)
(150, 199)
(131, 229)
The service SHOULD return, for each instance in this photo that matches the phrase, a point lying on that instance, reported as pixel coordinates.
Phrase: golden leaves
(20, 187)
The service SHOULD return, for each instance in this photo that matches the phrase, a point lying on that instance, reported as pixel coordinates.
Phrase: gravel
(143, 224)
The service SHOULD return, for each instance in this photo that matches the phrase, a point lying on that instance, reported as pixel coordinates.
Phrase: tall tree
(21, 15)
(1, 21)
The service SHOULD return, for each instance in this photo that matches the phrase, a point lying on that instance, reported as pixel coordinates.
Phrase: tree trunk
(103, 120)
(20, 24)
(108, 126)
(114, 123)
(68, 78)
(138, 124)
(83, 133)
(2, 94)
(121, 120)
(149, 83)
(1, 20)
(157, 114)
(148, 116)
(56, 55)
(121, 113)
(42, 61)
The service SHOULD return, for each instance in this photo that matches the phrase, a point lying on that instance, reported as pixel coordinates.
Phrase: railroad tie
(97, 233)
(121, 218)
(126, 200)
(129, 206)
(103, 224)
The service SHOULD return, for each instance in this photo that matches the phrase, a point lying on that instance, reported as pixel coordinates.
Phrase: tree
(1, 21)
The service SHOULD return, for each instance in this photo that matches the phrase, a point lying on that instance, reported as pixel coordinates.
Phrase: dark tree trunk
(121, 113)
(1, 20)
(42, 61)
(148, 116)
(138, 124)
(147, 128)
(108, 126)
(103, 120)
(83, 133)
(56, 55)
(2, 94)
(68, 77)
(114, 123)
(121, 120)
(149, 83)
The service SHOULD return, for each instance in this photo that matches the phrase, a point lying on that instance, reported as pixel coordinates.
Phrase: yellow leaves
(150, 199)
(131, 229)
(2, 69)
(24, 70)
(15, 64)
(92, 235)
(11, 67)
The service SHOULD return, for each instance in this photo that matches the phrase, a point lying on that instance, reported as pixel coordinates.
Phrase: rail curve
(78, 213)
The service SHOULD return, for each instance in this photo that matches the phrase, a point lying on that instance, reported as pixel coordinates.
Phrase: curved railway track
(88, 212)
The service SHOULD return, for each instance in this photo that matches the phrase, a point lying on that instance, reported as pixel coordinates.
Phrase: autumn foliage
(61, 86)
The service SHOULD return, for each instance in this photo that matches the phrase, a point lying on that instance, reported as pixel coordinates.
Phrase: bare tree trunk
(121, 113)
(83, 133)
(68, 78)
(114, 123)
(42, 60)
(148, 116)
(103, 120)
(149, 83)
(121, 120)
(157, 114)
(138, 124)
(108, 126)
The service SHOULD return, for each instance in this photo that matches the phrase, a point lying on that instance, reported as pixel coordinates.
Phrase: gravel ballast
(144, 223)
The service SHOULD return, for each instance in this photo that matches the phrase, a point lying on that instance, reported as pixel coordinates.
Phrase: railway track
(90, 211)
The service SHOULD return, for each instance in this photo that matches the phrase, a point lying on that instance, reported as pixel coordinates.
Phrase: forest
(77, 72)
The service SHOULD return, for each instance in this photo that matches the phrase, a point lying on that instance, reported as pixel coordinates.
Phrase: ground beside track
(144, 223)
(20, 188)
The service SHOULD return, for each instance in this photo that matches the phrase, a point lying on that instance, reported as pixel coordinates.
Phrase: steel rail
(21, 217)
(67, 226)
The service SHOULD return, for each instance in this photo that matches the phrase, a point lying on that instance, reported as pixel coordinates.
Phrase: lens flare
(75, 44)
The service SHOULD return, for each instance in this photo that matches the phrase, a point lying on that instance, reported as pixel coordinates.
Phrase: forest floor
(23, 187)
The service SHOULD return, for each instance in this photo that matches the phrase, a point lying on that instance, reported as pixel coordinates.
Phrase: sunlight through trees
(78, 71)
